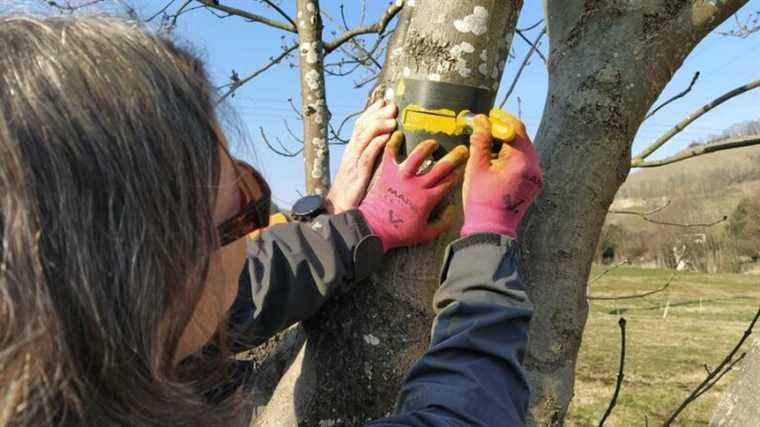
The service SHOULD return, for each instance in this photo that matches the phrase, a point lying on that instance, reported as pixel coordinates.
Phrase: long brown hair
(108, 170)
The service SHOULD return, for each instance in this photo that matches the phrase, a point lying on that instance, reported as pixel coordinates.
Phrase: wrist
(374, 226)
(484, 218)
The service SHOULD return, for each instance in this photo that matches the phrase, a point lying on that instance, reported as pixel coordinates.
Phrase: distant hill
(700, 190)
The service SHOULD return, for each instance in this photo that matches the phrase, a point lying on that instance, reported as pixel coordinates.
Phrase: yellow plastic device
(416, 118)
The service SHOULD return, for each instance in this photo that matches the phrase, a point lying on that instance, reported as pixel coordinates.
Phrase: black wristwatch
(308, 207)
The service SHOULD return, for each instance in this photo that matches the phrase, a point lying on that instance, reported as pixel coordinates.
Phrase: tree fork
(362, 343)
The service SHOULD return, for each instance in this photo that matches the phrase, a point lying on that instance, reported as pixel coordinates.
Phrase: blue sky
(232, 43)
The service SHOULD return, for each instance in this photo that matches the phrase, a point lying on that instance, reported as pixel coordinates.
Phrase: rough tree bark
(313, 101)
(608, 63)
(740, 404)
(361, 344)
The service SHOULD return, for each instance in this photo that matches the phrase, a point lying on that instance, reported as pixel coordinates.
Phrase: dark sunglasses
(256, 199)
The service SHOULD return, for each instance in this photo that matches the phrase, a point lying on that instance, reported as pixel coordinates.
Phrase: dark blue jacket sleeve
(291, 271)
(472, 373)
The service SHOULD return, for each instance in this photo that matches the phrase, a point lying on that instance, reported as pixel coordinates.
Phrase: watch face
(308, 205)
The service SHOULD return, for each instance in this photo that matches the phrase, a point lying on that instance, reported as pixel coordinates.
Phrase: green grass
(665, 357)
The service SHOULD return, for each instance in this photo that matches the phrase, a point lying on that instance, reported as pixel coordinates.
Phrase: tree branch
(621, 373)
(603, 273)
(235, 86)
(679, 95)
(634, 296)
(726, 144)
(639, 159)
(652, 212)
(726, 365)
(645, 217)
(215, 4)
(282, 13)
(530, 43)
(533, 48)
(284, 151)
(528, 28)
(377, 27)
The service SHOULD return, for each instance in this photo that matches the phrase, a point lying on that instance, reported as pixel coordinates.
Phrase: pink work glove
(498, 189)
(398, 206)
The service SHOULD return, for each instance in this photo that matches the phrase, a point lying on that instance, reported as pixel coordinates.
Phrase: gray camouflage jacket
(472, 373)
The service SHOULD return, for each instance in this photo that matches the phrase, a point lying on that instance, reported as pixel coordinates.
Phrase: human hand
(398, 206)
(498, 189)
(372, 130)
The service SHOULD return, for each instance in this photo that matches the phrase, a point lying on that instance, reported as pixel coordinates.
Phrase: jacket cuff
(470, 243)
(366, 248)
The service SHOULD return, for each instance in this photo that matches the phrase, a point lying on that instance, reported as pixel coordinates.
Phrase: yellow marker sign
(416, 118)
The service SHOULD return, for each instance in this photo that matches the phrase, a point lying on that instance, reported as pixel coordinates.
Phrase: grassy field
(665, 357)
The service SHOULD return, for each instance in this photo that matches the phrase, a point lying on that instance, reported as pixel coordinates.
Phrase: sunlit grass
(665, 357)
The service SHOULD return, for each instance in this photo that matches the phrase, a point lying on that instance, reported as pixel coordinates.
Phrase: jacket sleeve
(472, 375)
(293, 268)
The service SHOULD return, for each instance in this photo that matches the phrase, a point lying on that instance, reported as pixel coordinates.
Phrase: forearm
(293, 268)
(472, 373)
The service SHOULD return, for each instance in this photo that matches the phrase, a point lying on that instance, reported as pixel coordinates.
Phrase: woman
(123, 222)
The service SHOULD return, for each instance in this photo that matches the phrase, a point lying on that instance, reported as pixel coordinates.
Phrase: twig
(284, 152)
(533, 48)
(291, 133)
(530, 43)
(531, 26)
(215, 4)
(366, 80)
(633, 296)
(652, 212)
(282, 13)
(725, 366)
(336, 133)
(160, 11)
(639, 159)
(603, 273)
(68, 7)
(519, 108)
(620, 376)
(726, 144)
(251, 76)
(377, 27)
(680, 95)
(645, 217)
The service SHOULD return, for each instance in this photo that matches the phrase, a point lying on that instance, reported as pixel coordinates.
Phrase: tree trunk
(607, 65)
(740, 404)
(361, 344)
(313, 106)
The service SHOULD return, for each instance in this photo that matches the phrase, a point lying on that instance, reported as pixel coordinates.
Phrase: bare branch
(652, 212)
(365, 81)
(283, 151)
(621, 373)
(540, 21)
(66, 6)
(161, 11)
(215, 4)
(634, 296)
(282, 13)
(603, 273)
(679, 95)
(377, 27)
(744, 29)
(533, 48)
(251, 76)
(726, 365)
(637, 160)
(726, 144)
(336, 133)
(530, 43)
(291, 133)
(295, 109)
